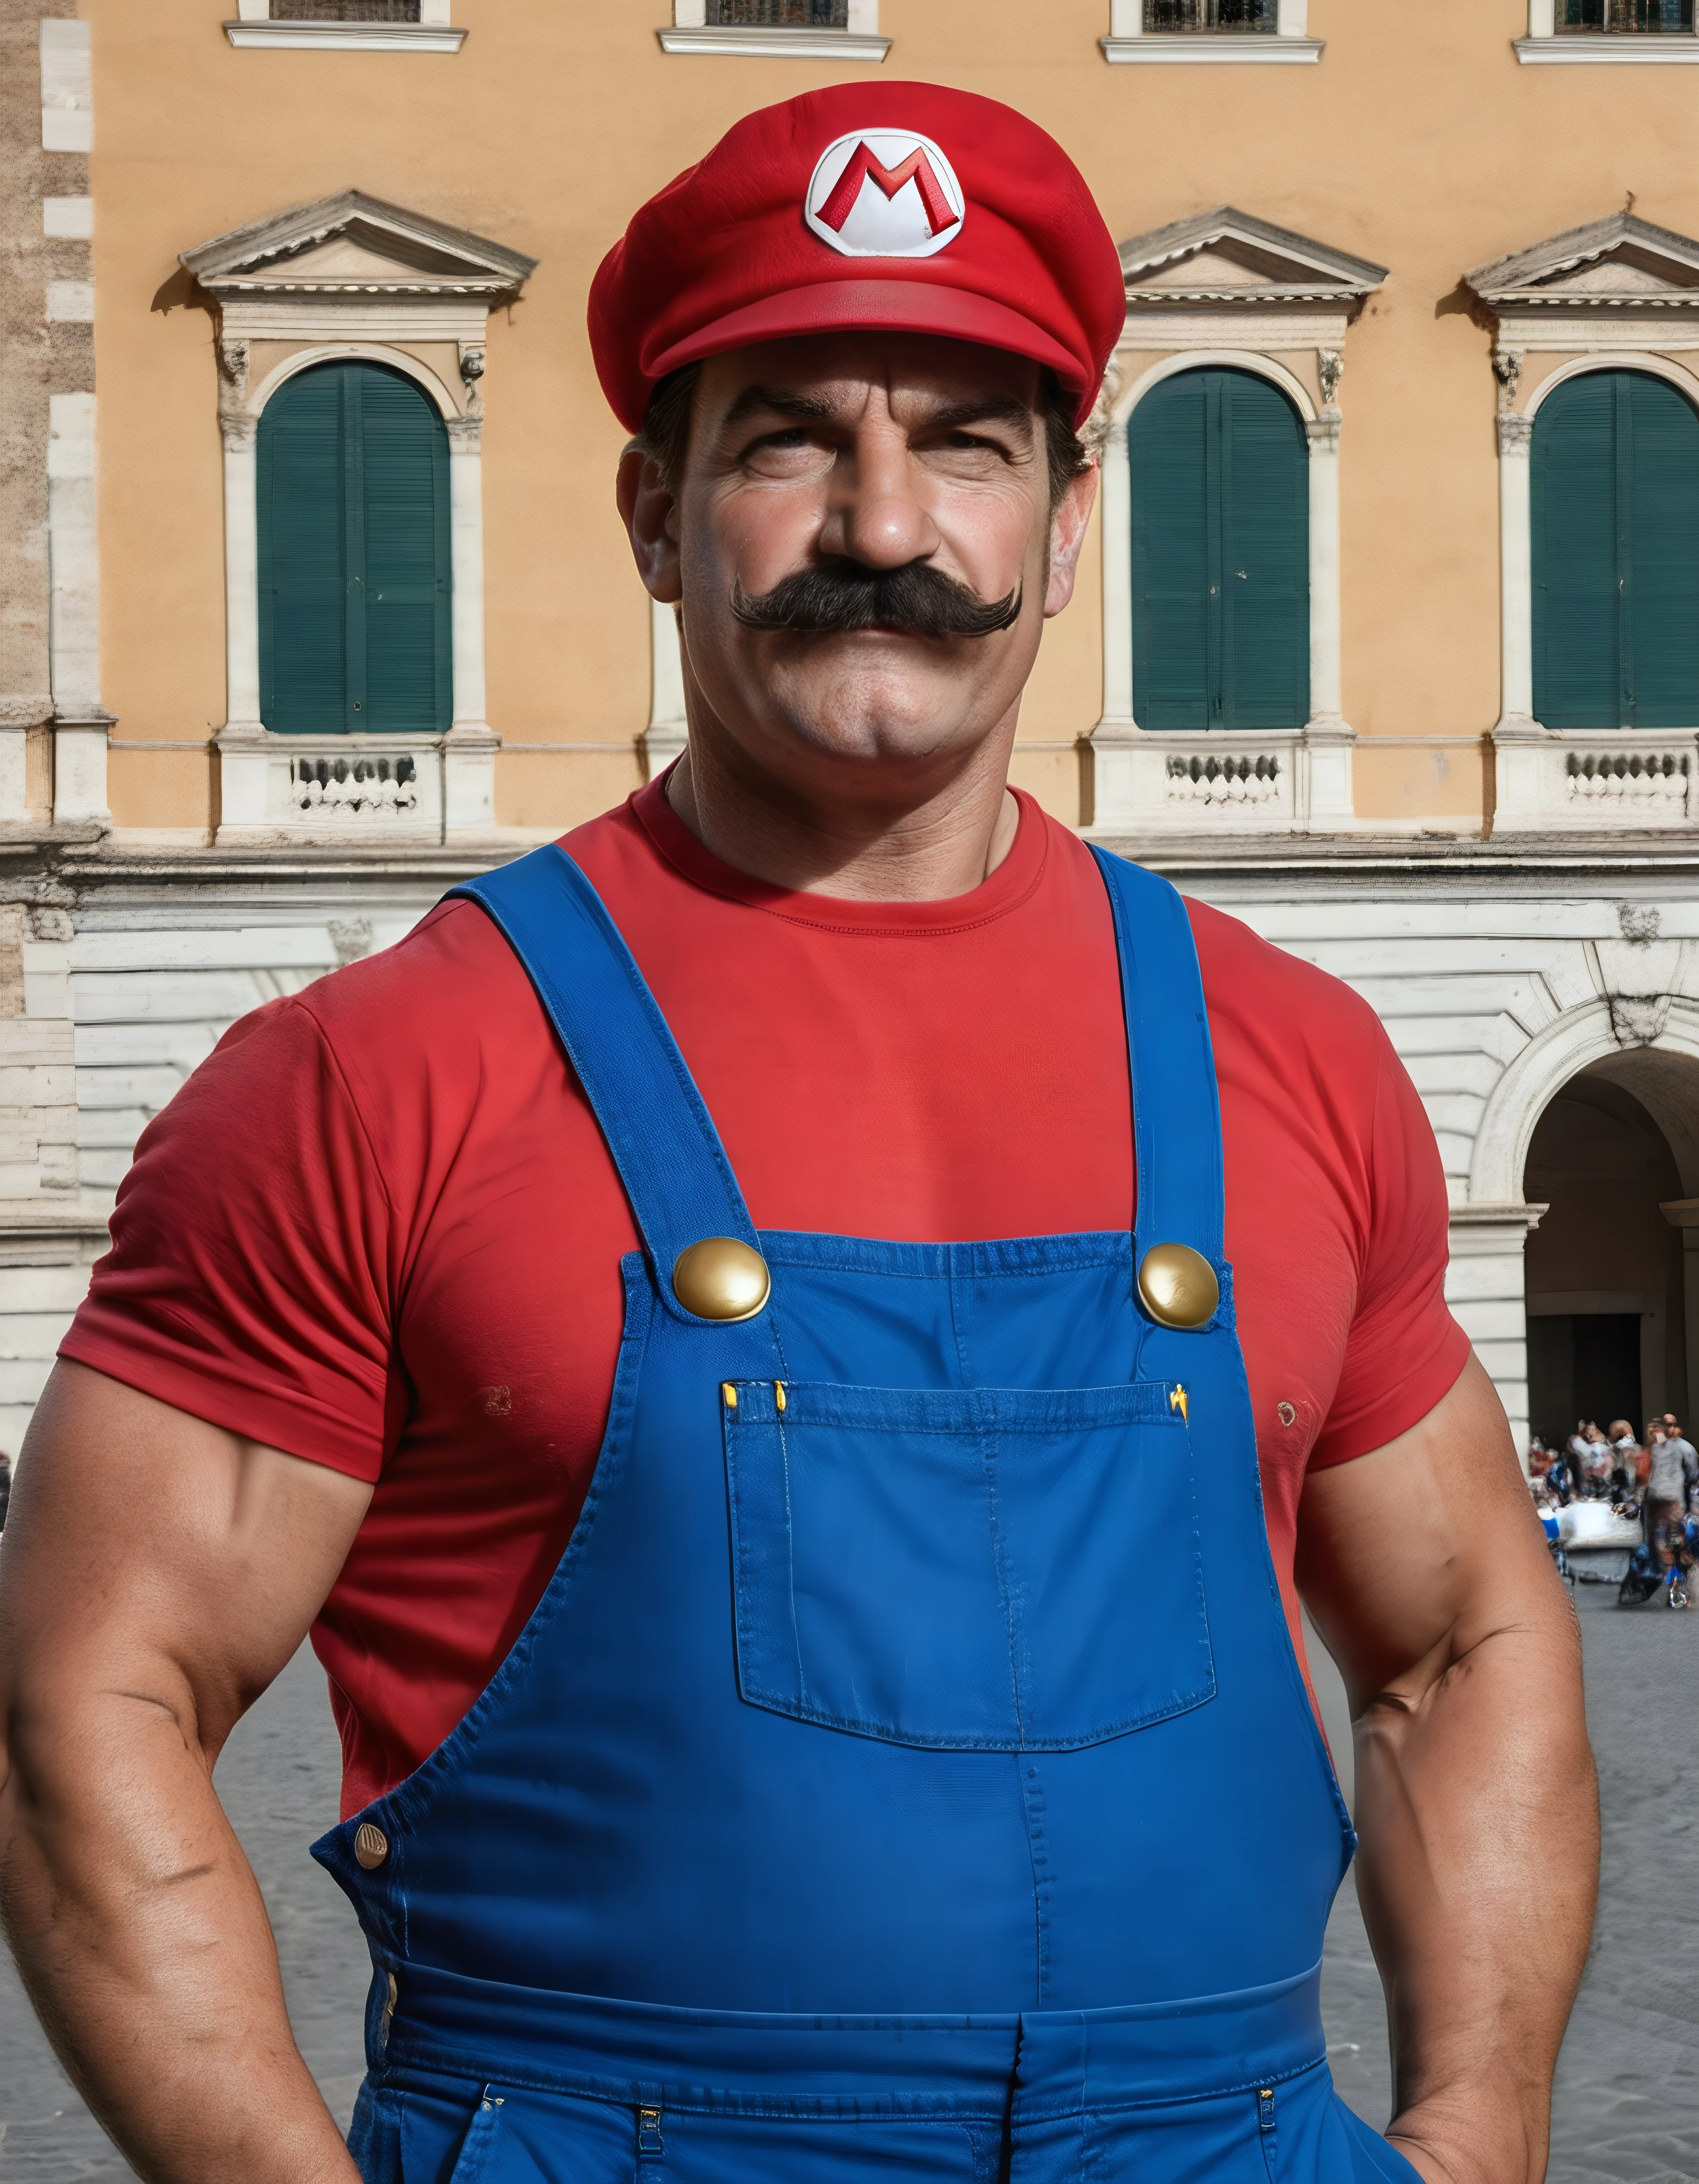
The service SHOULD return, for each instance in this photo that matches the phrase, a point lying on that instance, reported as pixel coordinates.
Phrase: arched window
(1615, 489)
(354, 573)
(1221, 554)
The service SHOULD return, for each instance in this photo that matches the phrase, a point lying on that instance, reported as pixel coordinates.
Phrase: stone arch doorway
(1611, 1272)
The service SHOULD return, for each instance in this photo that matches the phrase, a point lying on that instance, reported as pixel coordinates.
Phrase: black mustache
(842, 596)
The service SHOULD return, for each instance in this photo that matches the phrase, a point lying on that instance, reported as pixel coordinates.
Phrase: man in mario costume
(795, 1350)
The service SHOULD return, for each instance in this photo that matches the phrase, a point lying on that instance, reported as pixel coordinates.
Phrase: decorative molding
(350, 38)
(1507, 370)
(352, 243)
(761, 42)
(1323, 432)
(1590, 48)
(1515, 432)
(1597, 285)
(1621, 780)
(1329, 370)
(1231, 258)
(1171, 46)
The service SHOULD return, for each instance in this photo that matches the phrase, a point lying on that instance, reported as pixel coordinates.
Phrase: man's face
(818, 469)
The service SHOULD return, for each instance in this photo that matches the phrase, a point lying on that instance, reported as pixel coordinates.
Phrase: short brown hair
(664, 439)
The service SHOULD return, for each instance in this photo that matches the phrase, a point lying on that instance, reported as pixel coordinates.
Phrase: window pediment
(353, 243)
(1229, 257)
(1604, 266)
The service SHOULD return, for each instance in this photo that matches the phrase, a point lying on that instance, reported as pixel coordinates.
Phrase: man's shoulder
(452, 977)
(1268, 991)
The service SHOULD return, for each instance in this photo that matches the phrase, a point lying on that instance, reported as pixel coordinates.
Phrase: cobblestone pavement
(1627, 2107)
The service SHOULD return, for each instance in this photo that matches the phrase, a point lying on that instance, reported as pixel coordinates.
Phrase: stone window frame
(427, 316)
(250, 753)
(433, 33)
(1294, 335)
(1130, 41)
(691, 32)
(1535, 776)
(1546, 43)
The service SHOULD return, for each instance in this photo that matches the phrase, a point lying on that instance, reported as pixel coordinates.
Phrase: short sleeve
(249, 1279)
(1405, 1350)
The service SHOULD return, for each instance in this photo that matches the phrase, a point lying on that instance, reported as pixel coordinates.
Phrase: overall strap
(664, 1144)
(1176, 1107)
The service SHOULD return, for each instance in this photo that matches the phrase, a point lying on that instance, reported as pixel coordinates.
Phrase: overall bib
(908, 1767)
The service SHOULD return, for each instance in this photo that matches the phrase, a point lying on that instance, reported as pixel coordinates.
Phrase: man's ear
(646, 509)
(1067, 536)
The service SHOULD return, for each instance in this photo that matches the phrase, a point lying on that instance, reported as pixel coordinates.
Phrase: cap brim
(912, 307)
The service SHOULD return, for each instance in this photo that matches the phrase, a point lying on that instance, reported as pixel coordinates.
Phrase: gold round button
(721, 1278)
(371, 1846)
(1178, 1286)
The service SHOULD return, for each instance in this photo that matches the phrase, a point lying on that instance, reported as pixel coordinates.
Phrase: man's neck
(945, 845)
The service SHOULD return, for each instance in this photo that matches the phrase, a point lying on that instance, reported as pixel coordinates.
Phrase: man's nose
(874, 514)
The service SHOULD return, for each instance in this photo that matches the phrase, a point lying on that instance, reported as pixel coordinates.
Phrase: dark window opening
(355, 579)
(1635, 17)
(1234, 15)
(345, 11)
(1615, 519)
(779, 14)
(1221, 556)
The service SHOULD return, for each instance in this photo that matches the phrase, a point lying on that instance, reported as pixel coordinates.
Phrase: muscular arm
(156, 1573)
(1427, 1573)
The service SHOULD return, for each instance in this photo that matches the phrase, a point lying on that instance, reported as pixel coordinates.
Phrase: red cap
(900, 205)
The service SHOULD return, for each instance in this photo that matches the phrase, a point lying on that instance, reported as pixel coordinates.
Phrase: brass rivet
(1178, 1286)
(721, 1278)
(371, 1846)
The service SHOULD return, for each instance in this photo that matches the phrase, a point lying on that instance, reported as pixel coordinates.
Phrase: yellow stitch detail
(778, 1393)
(1177, 1401)
(731, 1395)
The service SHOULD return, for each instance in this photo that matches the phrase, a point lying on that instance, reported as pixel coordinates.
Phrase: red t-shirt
(378, 1229)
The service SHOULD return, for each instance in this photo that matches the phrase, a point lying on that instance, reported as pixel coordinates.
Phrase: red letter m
(916, 169)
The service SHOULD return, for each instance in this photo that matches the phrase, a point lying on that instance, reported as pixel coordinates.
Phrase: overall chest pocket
(1002, 1570)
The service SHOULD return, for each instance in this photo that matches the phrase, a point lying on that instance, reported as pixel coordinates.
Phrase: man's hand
(157, 1574)
(1427, 1572)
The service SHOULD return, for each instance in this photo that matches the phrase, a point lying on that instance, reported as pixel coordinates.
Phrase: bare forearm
(1462, 1790)
(143, 1939)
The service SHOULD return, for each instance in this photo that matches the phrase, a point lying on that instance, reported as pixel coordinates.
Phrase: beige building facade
(1441, 257)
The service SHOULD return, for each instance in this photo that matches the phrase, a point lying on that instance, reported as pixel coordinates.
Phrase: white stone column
(1329, 803)
(1126, 776)
(1522, 759)
(665, 735)
(241, 575)
(1116, 499)
(1126, 18)
(469, 747)
(80, 720)
(1515, 567)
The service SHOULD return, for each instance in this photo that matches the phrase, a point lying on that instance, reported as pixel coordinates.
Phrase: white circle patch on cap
(884, 193)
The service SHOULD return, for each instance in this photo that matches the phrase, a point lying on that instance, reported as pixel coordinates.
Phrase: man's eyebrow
(812, 408)
(992, 410)
(815, 409)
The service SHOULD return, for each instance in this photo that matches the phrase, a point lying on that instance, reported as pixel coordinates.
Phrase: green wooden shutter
(304, 574)
(1663, 590)
(1615, 549)
(1174, 552)
(354, 571)
(1221, 556)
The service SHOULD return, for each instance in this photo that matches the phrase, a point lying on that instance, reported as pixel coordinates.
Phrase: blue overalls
(907, 1768)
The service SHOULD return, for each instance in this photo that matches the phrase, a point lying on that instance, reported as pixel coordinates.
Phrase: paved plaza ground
(1627, 2108)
